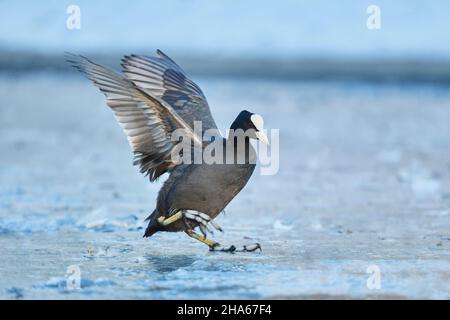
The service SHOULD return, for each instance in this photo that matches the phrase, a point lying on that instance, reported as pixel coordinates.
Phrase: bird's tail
(153, 225)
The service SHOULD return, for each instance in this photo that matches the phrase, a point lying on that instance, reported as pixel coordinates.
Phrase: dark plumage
(153, 98)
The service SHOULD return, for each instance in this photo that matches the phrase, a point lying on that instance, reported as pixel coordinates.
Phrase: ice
(280, 225)
(390, 156)
(359, 185)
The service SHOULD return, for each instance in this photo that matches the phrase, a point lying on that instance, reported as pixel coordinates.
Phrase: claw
(203, 220)
(216, 226)
(204, 216)
(250, 248)
(230, 249)
(204, 230)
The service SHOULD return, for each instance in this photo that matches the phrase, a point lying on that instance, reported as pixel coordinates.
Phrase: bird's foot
(232, 249)
(203, 221)
(219, 248)
(250, 248)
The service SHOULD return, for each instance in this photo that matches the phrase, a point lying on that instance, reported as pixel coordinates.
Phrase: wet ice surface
(363, 181)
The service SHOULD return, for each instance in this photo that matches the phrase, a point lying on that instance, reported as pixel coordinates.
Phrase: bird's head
(251, 124)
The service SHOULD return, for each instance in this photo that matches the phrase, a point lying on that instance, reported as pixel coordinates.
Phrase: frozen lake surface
(364, 184)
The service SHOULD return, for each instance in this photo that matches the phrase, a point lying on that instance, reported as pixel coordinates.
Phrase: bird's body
(152, 100)
(206, 188)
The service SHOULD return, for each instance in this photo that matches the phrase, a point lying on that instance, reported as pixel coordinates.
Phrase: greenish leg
(210, 243)
(165, 222)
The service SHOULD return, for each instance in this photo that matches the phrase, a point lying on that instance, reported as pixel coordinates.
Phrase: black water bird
(152, 99)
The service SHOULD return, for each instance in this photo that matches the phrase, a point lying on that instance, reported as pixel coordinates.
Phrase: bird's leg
(217, 247)
(232, 249)
(210, 243)
(175, 217)
(213, 246)
(202, 219)
(250, 248)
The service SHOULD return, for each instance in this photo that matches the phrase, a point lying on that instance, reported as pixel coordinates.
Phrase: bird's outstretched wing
(147, 121)
(161, 77)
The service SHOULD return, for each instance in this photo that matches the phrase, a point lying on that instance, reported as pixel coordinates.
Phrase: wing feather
(147, 121)
(161, 77)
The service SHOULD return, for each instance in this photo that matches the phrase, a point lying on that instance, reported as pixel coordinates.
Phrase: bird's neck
(241, 146)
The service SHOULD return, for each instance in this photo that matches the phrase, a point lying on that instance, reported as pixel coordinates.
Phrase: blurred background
(293, 39)
(364, 171)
